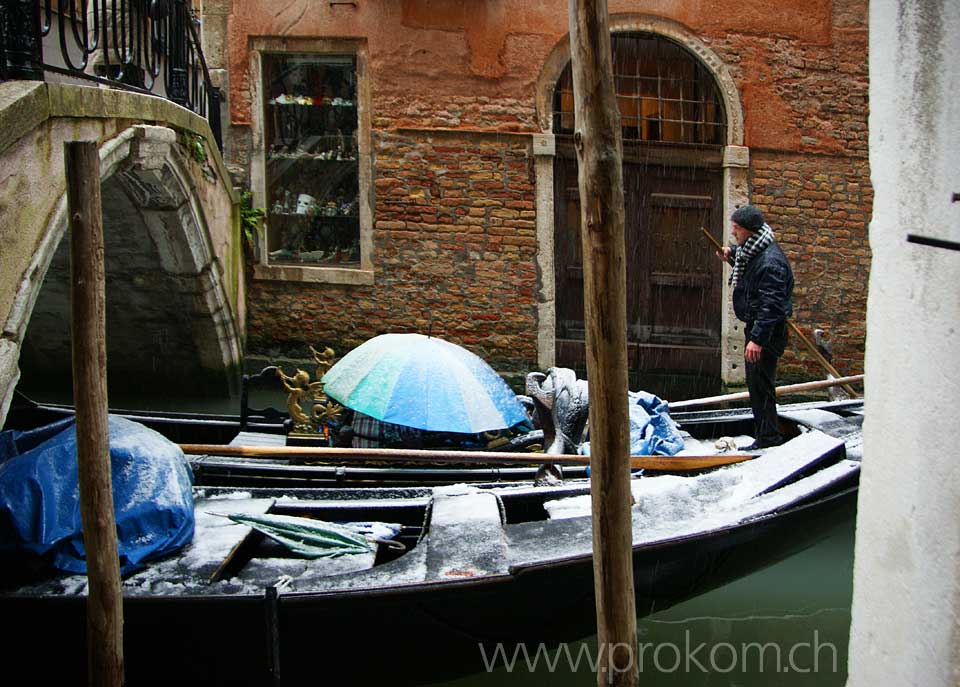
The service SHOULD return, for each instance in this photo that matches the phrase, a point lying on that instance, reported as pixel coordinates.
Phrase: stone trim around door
(736, 162)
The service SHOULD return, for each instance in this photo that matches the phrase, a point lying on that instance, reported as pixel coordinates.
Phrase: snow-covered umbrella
(423, 382)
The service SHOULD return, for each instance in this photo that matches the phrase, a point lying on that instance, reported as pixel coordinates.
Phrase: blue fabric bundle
(652, 431)
(40, 497)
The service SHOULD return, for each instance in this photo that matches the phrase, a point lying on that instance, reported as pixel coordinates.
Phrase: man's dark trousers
(761, 383)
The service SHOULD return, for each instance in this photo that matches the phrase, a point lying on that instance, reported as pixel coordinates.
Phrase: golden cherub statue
(323, 359)
(304, 392)
(301, 389)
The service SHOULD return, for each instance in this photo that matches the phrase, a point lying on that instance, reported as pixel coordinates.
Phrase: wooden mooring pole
(88, 299)
(599, 157)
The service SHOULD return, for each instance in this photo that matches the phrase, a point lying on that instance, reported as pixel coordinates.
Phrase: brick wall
(819, 208)
(454, 237)
(802, 96)
(454, 244)
(450, 111)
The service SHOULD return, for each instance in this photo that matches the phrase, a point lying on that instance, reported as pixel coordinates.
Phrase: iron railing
(146, 46)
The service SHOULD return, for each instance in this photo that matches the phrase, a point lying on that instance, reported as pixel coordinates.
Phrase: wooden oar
(810, 345)
(398, 455)
(823, 361)
(781, 391)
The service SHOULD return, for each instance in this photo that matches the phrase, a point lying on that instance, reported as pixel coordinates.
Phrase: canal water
(786, 625)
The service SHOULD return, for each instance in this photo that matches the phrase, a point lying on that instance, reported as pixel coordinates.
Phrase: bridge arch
(172, 252)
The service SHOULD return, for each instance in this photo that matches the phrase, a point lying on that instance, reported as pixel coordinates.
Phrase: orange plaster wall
(415, 48)
(764, 121)
(427, 55)
(805, 20)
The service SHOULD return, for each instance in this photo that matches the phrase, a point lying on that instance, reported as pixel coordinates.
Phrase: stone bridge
(173, 248)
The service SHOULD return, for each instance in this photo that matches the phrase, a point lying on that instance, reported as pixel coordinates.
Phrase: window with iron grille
(664, 93)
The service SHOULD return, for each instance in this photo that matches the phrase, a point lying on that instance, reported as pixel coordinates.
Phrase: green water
(786, 625)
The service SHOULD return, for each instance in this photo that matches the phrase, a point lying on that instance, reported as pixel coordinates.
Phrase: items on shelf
(282, 153)
(337, 146)
(335, 256)
(306, 205)
(285, 99)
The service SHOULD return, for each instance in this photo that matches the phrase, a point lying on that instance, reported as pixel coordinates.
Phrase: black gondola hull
(405, 634)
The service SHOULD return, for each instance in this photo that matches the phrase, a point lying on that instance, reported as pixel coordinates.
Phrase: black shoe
(760, 445)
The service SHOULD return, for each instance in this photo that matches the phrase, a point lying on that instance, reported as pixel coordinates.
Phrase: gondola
(486, 563)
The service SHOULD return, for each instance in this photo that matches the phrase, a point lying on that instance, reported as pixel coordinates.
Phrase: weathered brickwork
(819, 208)
(453, 112)
(827, 91)
(454, 249)
(800, 96)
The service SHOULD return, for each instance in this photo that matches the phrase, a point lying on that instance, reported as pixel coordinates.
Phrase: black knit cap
(748, 217)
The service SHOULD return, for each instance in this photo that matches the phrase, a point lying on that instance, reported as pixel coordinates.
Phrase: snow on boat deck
(467, 536)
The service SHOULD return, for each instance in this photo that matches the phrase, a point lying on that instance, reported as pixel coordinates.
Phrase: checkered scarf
(745, 253)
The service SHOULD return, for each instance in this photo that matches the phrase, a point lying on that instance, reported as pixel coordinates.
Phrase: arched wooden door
(673, 131)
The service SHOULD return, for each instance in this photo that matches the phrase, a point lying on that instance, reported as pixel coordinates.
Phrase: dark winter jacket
(762, 297)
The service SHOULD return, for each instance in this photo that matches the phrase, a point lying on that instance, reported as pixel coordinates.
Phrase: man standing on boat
(762, 284)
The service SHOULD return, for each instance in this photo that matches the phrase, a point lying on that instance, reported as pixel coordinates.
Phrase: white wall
(906, 597)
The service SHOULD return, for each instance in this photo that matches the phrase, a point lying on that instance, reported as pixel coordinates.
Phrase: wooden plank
(247, 438)
(238, 556)
(217, 550)
(781, 391)
(458, 548)
(402, 455)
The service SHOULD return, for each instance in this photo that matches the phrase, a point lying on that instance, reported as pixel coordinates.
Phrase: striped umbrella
(423, 382)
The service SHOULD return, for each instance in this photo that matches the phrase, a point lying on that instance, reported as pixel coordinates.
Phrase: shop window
(663, 92)
(312, 167)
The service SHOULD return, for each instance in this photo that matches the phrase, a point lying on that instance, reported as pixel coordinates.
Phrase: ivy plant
(250, 218)
(194, 145)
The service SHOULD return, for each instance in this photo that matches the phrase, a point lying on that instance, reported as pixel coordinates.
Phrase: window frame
(317, 273)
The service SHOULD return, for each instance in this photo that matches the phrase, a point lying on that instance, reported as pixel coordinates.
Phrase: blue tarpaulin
(40, 498)
(652, 431)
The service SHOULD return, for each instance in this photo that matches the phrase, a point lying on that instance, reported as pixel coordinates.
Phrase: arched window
(664, 92)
